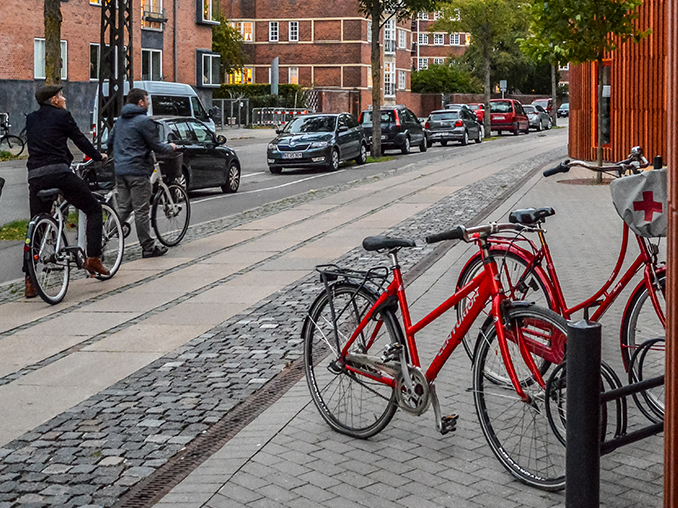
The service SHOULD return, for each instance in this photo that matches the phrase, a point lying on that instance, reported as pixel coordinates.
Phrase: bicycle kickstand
(444, 424)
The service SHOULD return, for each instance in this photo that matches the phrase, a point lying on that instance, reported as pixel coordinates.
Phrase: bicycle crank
(413, 395)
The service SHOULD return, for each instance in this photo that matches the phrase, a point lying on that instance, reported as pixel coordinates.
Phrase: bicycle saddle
(530, 216)
(49, 193)
(384, 242)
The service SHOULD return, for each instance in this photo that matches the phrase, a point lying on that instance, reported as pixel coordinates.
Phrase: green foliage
(227, 41)
(447, 78)
(260, 95)
(14, 230)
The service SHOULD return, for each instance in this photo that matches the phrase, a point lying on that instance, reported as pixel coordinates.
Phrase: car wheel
(276, 170)
(423, 146)
(362, 158)
(464, 139)
(334, 160)
(443, 143)
(481, 134)
(182, 179)
(406, 146)
(232, 179)
(429, 144)
(539, 126)
(516, 129)
(549, 125)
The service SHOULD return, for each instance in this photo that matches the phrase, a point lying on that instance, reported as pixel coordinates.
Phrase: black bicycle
(8, 142)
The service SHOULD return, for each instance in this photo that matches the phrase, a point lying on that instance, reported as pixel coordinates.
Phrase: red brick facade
(429, 48)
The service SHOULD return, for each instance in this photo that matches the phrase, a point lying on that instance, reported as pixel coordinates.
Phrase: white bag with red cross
(640, 201)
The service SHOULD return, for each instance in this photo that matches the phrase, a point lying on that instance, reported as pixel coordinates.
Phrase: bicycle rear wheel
(48, 269)
(351, 404)
(112, 242)
(518, 432)
(170, 214)
(12, 144)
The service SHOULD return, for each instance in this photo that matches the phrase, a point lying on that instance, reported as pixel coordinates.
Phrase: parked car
(447, 125)
(508, 115)
(563, 110)
(479, 109)
(400, 129)
(427, 133)
(547, 104)
(205, 161)
(538, 117)
(317, 141)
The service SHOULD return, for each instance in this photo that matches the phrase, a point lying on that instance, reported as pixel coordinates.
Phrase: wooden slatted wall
(638, 94)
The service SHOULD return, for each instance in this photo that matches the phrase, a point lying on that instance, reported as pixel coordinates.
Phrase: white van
(166, 98)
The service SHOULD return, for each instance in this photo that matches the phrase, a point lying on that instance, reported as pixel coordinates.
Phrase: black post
(582, 471)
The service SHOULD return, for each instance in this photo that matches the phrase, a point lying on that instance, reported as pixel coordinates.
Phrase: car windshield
(386, 117)
(565, 106)
(312, 124)
(530, 109)
(171, 105)
(501, 107)
(542, 103)
(451, 115)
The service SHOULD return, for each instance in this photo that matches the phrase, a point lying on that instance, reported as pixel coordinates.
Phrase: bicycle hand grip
(453, 234)
(560, 168)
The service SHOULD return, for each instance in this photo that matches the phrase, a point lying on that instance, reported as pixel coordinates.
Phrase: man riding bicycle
(49, 166)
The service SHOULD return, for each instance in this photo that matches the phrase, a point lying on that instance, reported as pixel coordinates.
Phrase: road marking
(253, 174)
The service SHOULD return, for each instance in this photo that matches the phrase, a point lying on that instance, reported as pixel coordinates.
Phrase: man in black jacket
(49, 166)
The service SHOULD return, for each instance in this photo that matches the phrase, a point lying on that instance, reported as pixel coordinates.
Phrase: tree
(379, 12)
(53, 63)
(227, 41)
(447, 78)
(491, 24)
(580, 31)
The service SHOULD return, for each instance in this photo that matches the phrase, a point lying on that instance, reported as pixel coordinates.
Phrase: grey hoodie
(133, 138)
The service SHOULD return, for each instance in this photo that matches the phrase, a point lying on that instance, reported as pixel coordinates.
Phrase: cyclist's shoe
(95, 267)
(157, 251)
(29, 289)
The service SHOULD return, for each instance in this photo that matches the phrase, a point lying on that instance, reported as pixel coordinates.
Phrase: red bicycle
(643, 320)
(362, 364)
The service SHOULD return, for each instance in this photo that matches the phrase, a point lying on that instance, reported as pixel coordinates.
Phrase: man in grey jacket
(133, 139)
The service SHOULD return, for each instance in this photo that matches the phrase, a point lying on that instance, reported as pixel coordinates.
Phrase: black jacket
(47, 131)
(133, 139)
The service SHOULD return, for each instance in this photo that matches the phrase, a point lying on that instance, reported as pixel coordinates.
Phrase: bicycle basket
(101, 176)
(170, 165)
(640, 200)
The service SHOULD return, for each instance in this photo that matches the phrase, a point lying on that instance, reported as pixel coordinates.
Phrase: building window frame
(152, 54)
(423, 39)
(206, 11)
(39, 58)
(422, 63)
(438, 39)
(402, 80)
(369, 31)
(244, 76)
(153, 17)
(455, 39)
(208, 70)
(293, 75)
(273, 31)
(389, 79)
(438, 61)
(565, 67)
(402, 39)
(293, 31)
(390, 36)
(370, 82)
(96, 64)
(241, 27)
(423, 16)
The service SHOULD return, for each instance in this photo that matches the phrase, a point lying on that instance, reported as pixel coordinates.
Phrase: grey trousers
(134, 194)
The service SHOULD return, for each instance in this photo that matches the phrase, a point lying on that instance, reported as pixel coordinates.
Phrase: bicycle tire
(359, 408)
(49, 270)
(653, 412)
(12, 144)
(639, 324)
(171, 214)
(519, 433)
(112, 242)
(512, 266)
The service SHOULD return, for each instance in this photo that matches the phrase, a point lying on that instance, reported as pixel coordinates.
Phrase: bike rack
(584, 447)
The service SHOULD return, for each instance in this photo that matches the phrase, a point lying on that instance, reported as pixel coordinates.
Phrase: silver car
(538, 117)
(453, 125)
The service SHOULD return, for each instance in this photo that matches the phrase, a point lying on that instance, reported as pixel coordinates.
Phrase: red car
(508, 115)
(547, 104)
(479, 109)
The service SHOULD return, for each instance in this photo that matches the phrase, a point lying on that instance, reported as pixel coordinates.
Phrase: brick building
(172, 40)
(434, 47)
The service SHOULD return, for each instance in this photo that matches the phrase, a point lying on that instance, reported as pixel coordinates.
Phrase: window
(185, 132)
(423, 39)
(402, 39)
(423, 15)
(438, 39)
(467, 38)
(240, 77)
(198, 110)
(438, 61)
(202, 132)
(293, 75)
(369, 76)
(95, 2)
(565, 67)
(423, 63)
(455, 39)
(39, 59)
(152, 15)
(369, 31)
(294, 31)
(207, 10)
(94, 55)
(173, 105)
(605, 104)
(390, 36)
(151, 64)
(273, 31)
(402, 80)
(245, 29)
(210, 70)
(437, 15)
(389, 79)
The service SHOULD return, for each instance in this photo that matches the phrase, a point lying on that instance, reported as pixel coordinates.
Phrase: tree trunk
(487, 120)
(599, 160)
(53, 61)
(376, 81)
(554, 99)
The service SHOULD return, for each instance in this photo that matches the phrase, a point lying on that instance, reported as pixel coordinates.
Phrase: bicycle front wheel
(112, 242)
(352, 404)
(48, 267)
(170, 214)
(12, 144)
(519, 433)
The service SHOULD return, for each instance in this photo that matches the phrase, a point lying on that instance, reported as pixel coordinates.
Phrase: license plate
(499, 118)
(383, 137)
(293, 155)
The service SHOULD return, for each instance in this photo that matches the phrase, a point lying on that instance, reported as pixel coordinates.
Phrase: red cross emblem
(648, 205)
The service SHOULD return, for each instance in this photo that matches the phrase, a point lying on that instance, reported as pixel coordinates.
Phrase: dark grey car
(460, 125)
(400, 129)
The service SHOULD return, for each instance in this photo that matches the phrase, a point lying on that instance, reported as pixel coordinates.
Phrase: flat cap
(47, 92)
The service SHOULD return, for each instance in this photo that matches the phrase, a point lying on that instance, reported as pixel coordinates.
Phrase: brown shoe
(94, 266)
(29, 289)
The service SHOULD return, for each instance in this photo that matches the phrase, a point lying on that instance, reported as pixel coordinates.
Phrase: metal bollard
(582, 467)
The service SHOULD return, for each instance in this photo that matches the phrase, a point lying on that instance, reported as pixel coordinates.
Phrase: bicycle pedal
(448, 424)
(391, 353)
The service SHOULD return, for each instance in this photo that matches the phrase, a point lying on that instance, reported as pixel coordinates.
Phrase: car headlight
(272, 146)
(319, 144)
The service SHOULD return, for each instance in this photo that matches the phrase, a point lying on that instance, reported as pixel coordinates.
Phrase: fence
(275, 116)
(231, 112)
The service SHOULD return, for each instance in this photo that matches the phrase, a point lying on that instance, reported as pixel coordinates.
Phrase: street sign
(502, 85)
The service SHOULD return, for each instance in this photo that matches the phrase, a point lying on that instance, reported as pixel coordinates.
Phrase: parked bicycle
(8, 142)
(361, 360)
(529, 273)
(48, 254)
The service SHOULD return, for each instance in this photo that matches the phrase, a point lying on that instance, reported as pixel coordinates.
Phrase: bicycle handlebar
(462, 233)
(634, 162)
